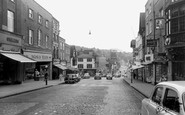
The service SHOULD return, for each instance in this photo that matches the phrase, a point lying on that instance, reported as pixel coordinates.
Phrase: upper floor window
(80, 59)
(47, 23)
(150, 8)
(161, 13)
(30, 39)
(10, 22)
(89, 59)
(30, 13)
(40, 19)
(89, 65)
(47, 39)
(63, 46)
(39, 37)
(150, 27)
(80, 66)
(182, 10)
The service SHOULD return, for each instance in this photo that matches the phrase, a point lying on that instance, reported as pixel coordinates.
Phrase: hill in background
(122, 56)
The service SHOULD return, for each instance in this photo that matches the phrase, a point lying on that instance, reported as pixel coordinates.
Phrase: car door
(171, 105)
(155, 100)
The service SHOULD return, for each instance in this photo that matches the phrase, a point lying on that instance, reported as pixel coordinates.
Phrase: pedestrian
(60, 76)
(46, 78)
(36, 75)
(163, 78)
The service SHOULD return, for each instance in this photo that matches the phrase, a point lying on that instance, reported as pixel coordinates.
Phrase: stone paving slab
(10, 90)
(142, 87)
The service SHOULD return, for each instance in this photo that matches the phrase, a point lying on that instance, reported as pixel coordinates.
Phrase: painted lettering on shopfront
(12, 40)
(39, 57)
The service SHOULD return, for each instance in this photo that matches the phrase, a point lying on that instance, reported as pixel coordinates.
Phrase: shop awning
(146, 63)
(60, 66)
(72, 68)
(18, 57)
(136, 66)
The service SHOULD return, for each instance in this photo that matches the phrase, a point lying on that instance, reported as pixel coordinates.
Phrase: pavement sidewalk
(27, 86)
(142, 87)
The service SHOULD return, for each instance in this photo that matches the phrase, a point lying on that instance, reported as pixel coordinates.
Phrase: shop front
(12, 62)
(148, 68)
(58, 69)
(43, 65)
(177, 64)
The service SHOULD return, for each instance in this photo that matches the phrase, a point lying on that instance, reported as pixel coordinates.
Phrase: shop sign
(38, 56)
(10, 39)
(6, 47)
(151, 43)
(149, 58)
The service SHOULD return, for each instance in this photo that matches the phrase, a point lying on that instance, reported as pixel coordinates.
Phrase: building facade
(36, 28)
(67, 55)
(175, 42)
(12, 60)
(55, 48)
(155, 59)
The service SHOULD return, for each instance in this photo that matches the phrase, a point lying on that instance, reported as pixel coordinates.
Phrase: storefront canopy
(18, 57)
(60, 66)
(72, 68)
(136, 66)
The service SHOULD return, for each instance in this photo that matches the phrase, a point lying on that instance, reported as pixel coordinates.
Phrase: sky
(112, 24)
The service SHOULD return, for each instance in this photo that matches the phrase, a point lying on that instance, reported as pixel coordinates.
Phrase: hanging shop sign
(149, 58)
(151, 43)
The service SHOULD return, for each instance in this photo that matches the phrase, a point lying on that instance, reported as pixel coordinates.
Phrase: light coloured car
(167, 98)
(97, 76)
(86, 76)
(109, 76)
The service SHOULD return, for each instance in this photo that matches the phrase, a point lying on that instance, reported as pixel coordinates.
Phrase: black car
(71, 78)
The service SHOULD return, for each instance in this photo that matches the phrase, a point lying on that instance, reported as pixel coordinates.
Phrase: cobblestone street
(88, 97)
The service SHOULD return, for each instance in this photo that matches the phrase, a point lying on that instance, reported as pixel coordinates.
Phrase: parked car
(97, 76)
(167, 98)
(71, 78)
(104, 75)
(86, 76)
(109, 76)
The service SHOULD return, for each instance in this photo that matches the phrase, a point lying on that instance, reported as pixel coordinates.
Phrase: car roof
(179, 85)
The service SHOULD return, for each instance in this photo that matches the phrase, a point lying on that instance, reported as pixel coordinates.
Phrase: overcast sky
(113, 23)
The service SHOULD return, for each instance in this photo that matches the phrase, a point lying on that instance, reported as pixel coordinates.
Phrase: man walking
(46, 77)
